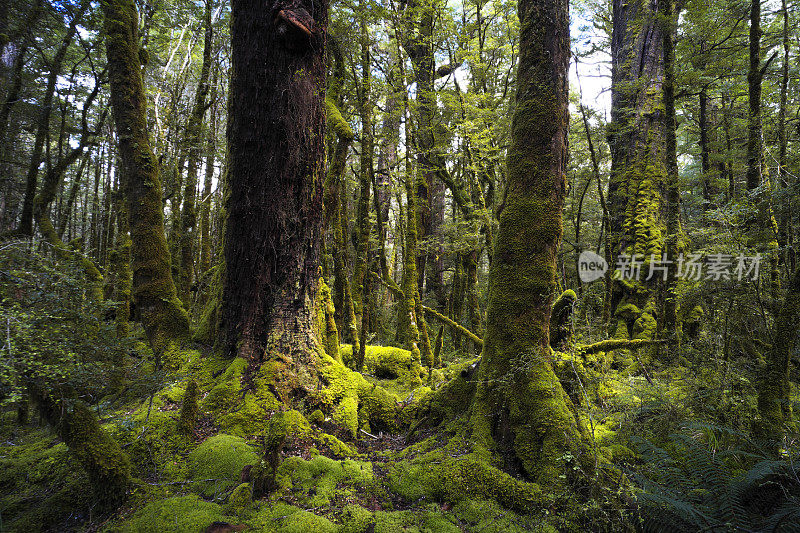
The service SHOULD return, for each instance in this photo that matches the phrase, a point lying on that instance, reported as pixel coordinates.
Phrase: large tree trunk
(520, 410)
(637, 140)
(164, 319)
(276, 136)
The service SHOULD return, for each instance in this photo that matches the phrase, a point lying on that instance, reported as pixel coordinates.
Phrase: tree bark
(276, 135)
(520, 410)
(638, 153)
(164, 319)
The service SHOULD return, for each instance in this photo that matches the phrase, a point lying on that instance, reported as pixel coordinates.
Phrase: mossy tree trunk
(670, 300)
(520, 411)
(773, 394)
(275, 220)
(163, 317)
(194, 130)
(205, 205)
(638, 154)
(108, 467)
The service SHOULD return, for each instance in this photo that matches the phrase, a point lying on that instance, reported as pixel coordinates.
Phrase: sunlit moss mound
(220, 459)
(387, 362)
(184, 514)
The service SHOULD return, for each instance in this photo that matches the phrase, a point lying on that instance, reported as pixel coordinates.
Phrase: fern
(711, 478)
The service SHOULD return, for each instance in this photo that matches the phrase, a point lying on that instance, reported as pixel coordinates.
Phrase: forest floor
(354, 458)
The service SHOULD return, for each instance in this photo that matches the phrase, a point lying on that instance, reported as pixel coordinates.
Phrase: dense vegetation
(407, 265)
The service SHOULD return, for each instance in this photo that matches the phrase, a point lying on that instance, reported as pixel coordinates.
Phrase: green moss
(246, 419)
(328, 333)
(442, 477)
(285, 425)
(388, 363)
(376, 408)
(284, 518)
(189, 409)
(226, 393)
(109, 468)
(317, 417)
(220, 459)
(184, 514)
(41, 484)
(322, 480)
(240, 499)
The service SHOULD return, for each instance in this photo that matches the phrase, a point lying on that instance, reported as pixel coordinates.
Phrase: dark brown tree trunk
(276, 136)
(164, 319)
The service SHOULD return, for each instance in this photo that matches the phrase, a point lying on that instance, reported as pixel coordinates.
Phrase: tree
(276, 134)
(638, 162)
(163, 317)
(520, 410)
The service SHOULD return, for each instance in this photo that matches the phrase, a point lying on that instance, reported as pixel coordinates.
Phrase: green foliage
(712, 478)
(55, 337)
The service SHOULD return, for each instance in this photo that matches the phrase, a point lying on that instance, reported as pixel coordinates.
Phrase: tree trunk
(754, 77)
(274, 225)
(637, 140)
(164, 319)
(205, 209)
(194, 131)
(670, 318)
(520, 410)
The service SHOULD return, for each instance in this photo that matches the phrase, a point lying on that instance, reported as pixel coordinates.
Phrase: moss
(487, 516)
(248, 418)
(220, 459)
(326, 322)
(317, 417)
(226, 393)
(375, 407)
(184, 514)
(285, 518)
(561, 325)
(240, 499)
(41, 484)
(346, 414)
(189, 409)
(442, 477)
(109, 468)
(388, 362)
(322, 480)
(285, 425)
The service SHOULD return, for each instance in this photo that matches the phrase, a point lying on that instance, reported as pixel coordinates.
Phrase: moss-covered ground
(386, 451)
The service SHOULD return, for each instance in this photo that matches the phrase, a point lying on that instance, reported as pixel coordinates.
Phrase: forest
(379, 266)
